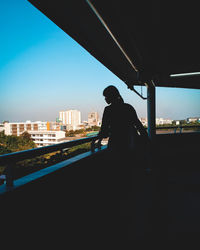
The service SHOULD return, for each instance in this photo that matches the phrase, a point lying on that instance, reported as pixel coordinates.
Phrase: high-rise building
(62, 117)
(71, 118)
(93, 119)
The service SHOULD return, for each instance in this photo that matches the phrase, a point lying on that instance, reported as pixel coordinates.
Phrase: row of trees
(82, 132)
(186, 123)
(12, 143)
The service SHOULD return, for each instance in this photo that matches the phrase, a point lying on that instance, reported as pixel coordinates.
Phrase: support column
(151, 111)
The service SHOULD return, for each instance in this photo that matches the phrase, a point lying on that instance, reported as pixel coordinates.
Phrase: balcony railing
(179, 128)
(10, 159)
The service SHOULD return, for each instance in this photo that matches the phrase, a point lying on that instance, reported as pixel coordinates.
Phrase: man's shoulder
(107, 110)
(129, 109)
(129, 106)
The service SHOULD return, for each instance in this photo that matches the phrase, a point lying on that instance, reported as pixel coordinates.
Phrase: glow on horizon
(44, 71)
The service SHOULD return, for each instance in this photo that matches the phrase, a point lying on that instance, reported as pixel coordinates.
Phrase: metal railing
(10, 159)
(179, 128)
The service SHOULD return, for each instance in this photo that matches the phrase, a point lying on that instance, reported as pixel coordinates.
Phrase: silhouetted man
(125, 131)
(120, 123)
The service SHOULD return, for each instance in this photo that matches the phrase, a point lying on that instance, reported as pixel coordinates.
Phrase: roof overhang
(137, 40)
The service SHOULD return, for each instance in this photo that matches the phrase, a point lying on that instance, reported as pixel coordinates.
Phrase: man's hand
(98, 144)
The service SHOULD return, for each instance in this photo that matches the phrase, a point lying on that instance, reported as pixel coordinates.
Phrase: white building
(2, 128)
(93, 119)
(193, 119)
(161, 121)
(46, 138)
(71, 118)
(40, 132)
(17, 128)
(143, 121)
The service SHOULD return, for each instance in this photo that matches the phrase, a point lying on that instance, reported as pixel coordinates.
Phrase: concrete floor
(80, 204)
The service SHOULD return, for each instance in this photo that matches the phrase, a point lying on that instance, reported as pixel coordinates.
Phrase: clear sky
(43, 71)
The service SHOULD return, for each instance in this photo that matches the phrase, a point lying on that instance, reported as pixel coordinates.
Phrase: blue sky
(43, 71)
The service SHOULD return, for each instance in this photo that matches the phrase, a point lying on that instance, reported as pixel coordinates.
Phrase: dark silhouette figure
(121, 124)
(127, 138)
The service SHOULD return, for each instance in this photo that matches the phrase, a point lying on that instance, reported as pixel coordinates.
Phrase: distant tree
(2, 137)
(26, 136)
(183, 122)
(25, 141)
(95, 128)
(4, 150)
(74, 132)
(12, 143)
(69, 133)
(88, 129)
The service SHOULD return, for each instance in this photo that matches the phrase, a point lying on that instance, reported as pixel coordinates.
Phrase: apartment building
(2, 127)
(42, 133)
(17, 128)
(70, 118)
(193, 119)
(159, 121)
(93, 119)
(162, 121)
(46, 138)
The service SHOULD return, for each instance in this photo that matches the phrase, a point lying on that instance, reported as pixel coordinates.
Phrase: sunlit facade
(71, 118)
(18, 128)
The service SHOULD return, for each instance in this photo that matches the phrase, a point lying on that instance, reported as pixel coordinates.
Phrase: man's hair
(111, 91)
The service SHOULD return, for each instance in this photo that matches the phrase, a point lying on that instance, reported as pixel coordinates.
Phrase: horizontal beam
(173, 127)
(46, 171)
(27, 154)
(185, 74)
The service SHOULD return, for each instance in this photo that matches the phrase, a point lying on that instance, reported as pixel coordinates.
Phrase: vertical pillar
(151, 111)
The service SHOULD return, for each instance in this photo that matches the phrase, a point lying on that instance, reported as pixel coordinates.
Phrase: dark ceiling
(159, 38)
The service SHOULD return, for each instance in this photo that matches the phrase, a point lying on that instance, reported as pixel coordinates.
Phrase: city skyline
(43, 70)
(68, 117)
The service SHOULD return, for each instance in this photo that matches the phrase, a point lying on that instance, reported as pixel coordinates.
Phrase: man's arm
(141, 128)
(138, 124)
(104, 131)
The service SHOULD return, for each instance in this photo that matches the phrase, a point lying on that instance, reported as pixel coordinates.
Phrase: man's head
(111, 94)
